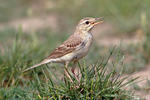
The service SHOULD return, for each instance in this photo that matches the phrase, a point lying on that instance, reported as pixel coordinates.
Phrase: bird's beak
(98, 21)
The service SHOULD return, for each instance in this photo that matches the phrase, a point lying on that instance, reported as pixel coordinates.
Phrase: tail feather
(37, 65)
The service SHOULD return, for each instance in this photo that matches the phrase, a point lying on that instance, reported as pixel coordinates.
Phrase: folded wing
(73, 43)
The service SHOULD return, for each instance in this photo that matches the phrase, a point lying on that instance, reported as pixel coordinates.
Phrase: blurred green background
(31, 29)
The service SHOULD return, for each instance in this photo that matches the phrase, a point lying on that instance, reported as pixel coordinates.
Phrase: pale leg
(75, 70)
(66, 71)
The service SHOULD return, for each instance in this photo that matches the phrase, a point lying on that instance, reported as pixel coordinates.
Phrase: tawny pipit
(75, 47)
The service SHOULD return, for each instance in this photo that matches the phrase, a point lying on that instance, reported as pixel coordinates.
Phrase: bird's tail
(37, 65)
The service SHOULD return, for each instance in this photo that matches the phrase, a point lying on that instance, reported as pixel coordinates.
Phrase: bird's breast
(85, 46)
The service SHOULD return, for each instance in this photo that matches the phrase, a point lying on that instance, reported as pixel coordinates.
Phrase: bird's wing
(71, 44)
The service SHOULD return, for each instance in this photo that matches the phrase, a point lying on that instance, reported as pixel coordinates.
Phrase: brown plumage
(67, 47)
(76, 46)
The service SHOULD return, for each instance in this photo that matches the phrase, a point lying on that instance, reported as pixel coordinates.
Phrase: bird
(75, 47)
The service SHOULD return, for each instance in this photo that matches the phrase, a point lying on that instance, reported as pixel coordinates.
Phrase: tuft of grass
(21, 51)
(95, 82)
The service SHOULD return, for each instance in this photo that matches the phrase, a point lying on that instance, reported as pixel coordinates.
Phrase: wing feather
(68, 46)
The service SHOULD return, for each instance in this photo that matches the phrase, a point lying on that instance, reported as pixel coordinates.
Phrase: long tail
(37, 65)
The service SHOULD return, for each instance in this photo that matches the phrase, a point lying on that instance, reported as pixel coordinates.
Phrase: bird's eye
(87, 22)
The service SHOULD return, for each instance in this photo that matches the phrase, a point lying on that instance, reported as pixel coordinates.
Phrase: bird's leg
(75, 70)
(66, 71)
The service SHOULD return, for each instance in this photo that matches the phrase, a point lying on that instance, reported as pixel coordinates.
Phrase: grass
(97, 81)
(20, 54)
(101, 86)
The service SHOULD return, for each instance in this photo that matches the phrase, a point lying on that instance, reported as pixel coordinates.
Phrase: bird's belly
(65, 58)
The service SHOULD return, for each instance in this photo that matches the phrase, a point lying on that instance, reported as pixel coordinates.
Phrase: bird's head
(87, 24)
